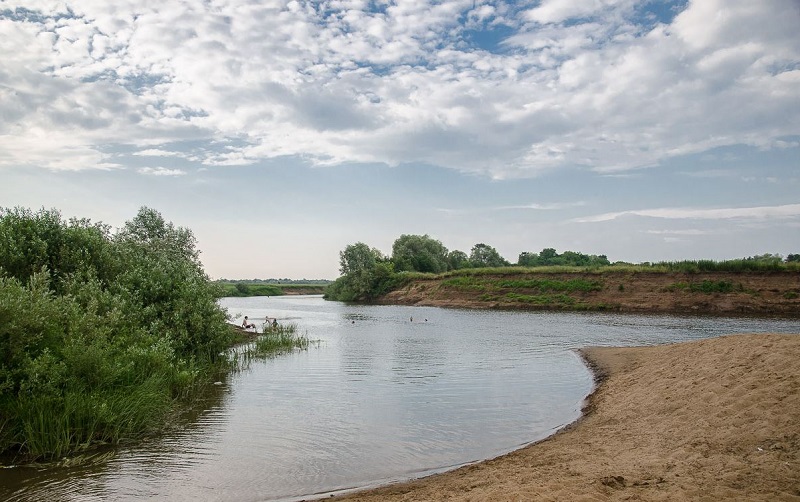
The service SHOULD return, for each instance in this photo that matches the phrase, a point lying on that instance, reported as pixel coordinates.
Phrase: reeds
(54, 426)
(275, 340)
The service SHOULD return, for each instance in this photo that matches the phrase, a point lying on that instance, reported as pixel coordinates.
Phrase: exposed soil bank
(707, 293)
(711, 420)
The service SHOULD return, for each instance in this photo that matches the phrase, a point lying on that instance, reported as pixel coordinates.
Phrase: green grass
(544, 285)
(706, 287)
(551, 285)
(686, 266)
(273, 341)
(465, 283)
(560, 300)
(54, 426)
(280, 339)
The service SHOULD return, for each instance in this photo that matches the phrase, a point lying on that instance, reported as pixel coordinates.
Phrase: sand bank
(709, 420)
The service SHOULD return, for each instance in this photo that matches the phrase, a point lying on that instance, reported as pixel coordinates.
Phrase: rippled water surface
(388, 393)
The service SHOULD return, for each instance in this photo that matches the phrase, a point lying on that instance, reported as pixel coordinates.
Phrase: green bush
(99, 333)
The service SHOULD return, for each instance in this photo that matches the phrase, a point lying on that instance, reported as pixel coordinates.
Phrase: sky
(281, 132)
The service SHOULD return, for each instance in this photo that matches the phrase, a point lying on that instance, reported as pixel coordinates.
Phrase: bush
(98, 333)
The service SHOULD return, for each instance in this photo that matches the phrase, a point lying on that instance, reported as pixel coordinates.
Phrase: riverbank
(716, 419)
(609, 289)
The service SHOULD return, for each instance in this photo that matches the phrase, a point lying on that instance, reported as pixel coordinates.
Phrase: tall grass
(274, 341)
(280, 339)
(54, 426)
(686, 266)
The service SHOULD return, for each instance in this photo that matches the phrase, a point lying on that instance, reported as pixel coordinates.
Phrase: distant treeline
(314, 282)
(254, 287)
(368, 274)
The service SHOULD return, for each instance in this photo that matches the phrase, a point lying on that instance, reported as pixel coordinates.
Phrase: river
(386, 393)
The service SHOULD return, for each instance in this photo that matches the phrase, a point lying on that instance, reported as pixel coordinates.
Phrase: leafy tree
(792, 258)
(31, 242)
(457, 260)
(766, 258)
(483, 255)
(548, 256)
(364, 273)
(419, 253)
(357, 258)
(527, 259)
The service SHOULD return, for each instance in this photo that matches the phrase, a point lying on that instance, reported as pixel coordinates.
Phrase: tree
(527, 259)
(548, 256)
(483, 255)
(457, 260)
(149, 229)
(419, 253)
(792, 258)
(357, 258)
(366, 274)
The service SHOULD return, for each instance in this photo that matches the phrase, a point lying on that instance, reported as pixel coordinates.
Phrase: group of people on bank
(268, 322)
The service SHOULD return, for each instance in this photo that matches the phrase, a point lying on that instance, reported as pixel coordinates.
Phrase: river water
(387, 393)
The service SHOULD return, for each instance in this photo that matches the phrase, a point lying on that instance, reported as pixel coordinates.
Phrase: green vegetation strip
(477, 283)
(707, 287)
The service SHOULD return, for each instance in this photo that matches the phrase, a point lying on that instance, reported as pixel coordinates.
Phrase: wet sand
(710, 420)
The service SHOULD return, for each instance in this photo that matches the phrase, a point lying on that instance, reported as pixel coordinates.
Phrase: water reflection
(382, 398)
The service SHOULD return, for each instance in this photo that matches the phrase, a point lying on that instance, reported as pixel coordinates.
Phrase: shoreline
(715, 419)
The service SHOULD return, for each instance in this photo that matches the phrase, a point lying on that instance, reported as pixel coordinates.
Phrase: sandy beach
(710, 420)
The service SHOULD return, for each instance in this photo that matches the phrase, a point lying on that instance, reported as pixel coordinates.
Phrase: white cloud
(688, 231)
(161, 171)
(334, 82)
(157, 152)
(757, 213)
(546, 207)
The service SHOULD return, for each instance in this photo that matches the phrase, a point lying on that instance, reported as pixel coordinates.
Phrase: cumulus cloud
(596, 85)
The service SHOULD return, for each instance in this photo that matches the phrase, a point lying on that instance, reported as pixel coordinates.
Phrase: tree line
(368, 274)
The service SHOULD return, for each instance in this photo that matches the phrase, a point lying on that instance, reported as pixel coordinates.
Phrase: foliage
(99, 333)
(474, 282)
(542, 300)
(358, 258)
(483, 255)
(366, 285)
(419, 253)
(254, 287)
(457, 260)
(707, 287)
(570, 285)
(549, 257)
(763, 263)
(242, 289)
(367, 275)
(279, 339)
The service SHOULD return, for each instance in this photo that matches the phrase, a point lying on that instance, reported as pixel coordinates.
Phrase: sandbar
(709, 420)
